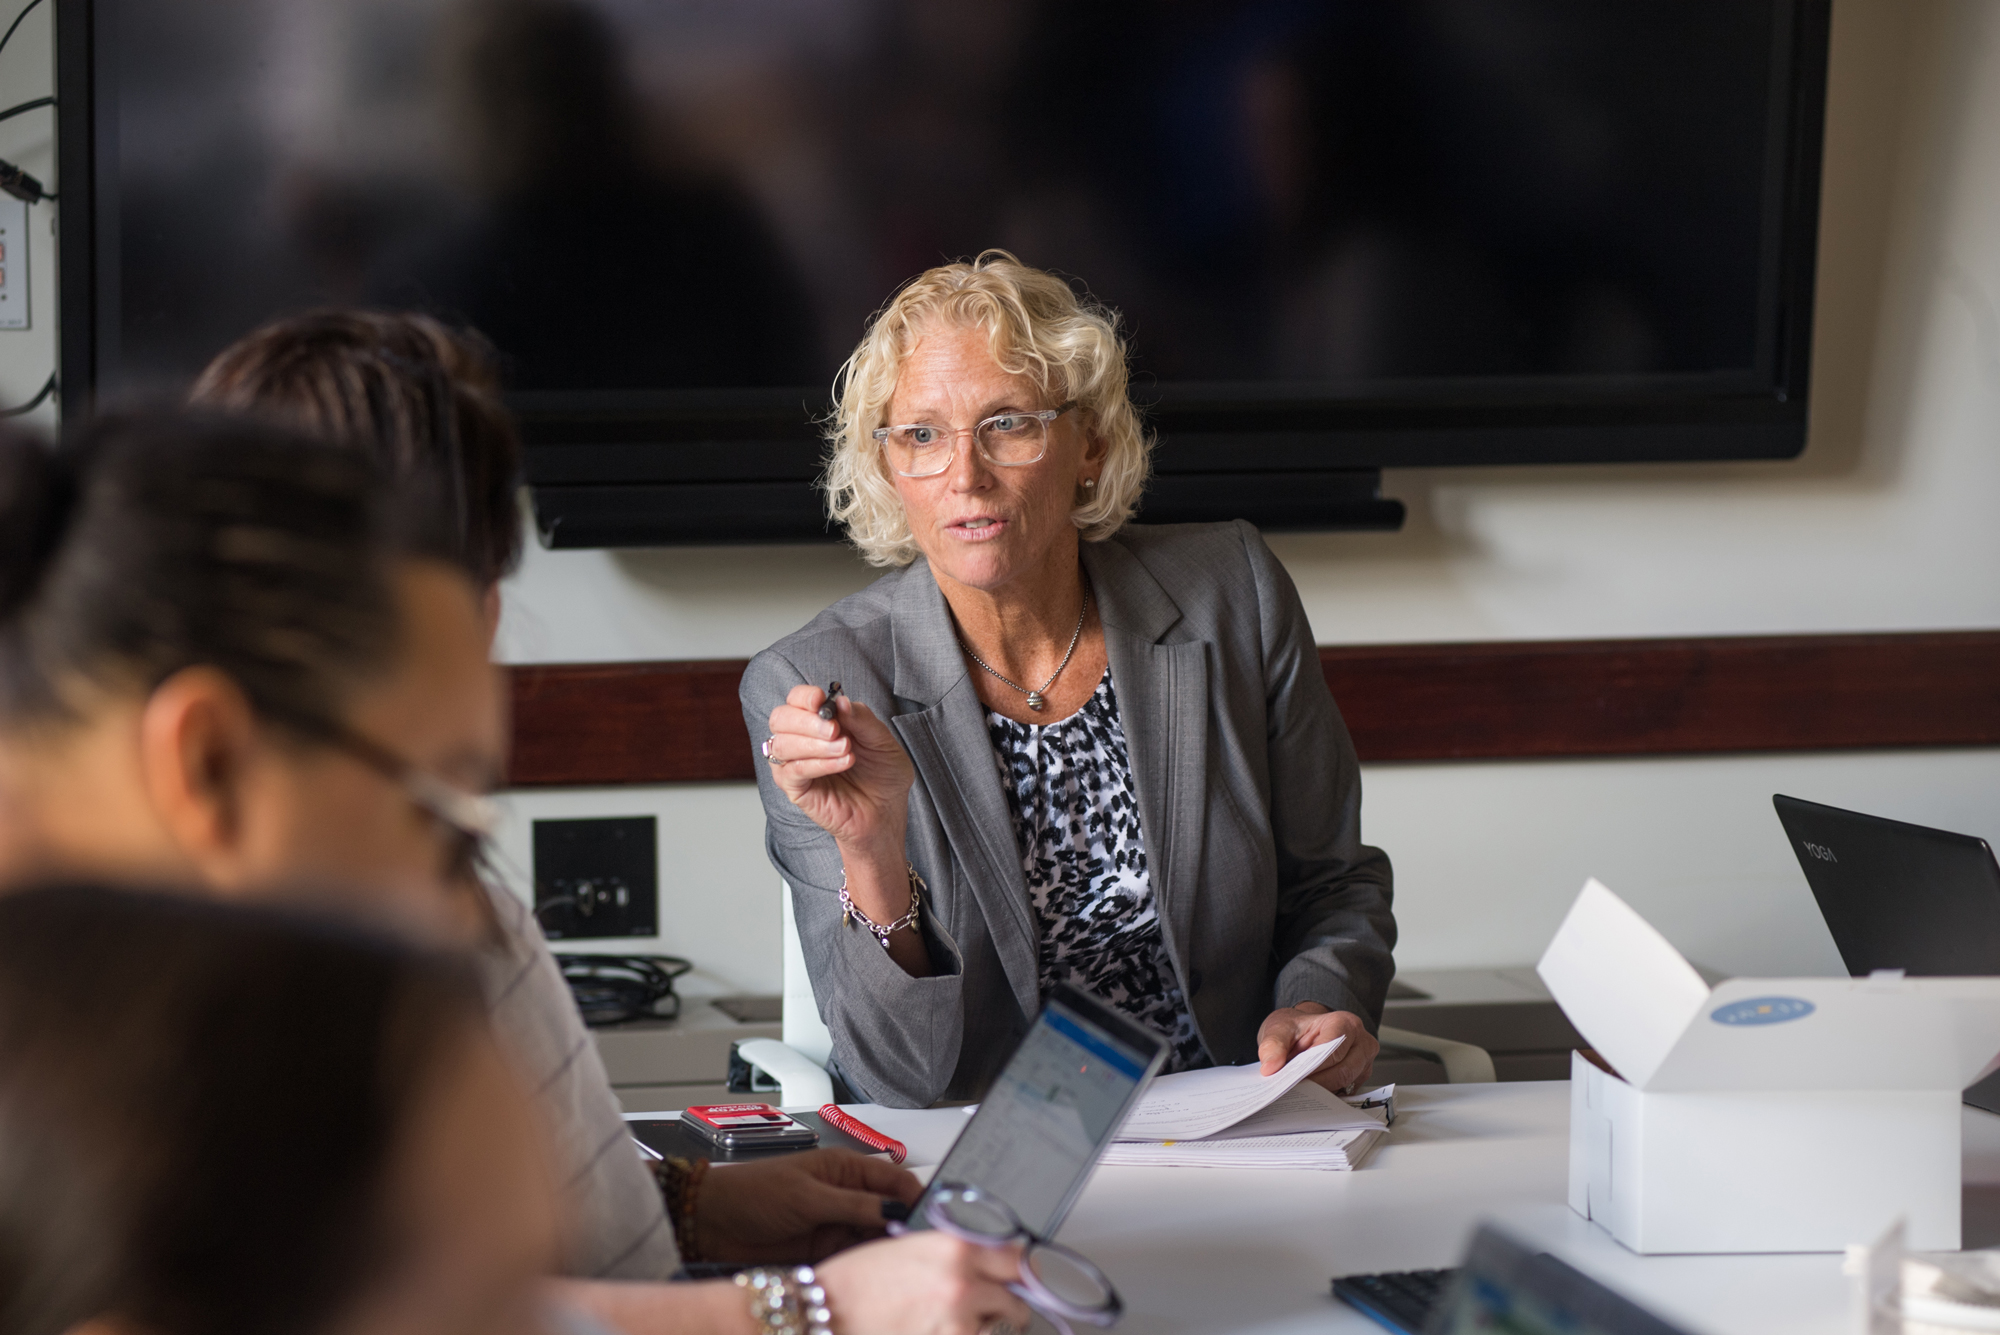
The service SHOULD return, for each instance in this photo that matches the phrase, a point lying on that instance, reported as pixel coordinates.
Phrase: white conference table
(1196, 1250)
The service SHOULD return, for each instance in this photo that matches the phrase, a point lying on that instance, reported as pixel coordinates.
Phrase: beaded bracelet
(680, 1186)
(882, 931)
(787, 1301)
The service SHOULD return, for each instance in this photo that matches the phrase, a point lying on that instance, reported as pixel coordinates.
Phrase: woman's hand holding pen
(844, 768)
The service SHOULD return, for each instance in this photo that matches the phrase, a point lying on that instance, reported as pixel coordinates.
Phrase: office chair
(798, 1061)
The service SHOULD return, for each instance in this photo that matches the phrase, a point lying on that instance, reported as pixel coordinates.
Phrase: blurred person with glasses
(1063, 747)
(422, 401)
(233, 666)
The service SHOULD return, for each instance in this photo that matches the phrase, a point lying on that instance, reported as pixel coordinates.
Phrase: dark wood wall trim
(597, 723)
(679, 722)
(1511, 701)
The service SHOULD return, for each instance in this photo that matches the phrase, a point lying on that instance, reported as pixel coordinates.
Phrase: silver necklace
(1036, 700)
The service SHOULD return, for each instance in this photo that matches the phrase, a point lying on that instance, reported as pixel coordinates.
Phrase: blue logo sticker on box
(1762, 1010)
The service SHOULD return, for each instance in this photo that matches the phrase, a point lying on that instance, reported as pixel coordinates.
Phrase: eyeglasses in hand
(1061, 1284)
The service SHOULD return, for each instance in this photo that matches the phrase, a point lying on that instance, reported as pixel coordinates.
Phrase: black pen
(827, 710)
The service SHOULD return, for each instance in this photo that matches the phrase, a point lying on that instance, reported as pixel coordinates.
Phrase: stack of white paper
(1233, 1117)
(1326, 1151)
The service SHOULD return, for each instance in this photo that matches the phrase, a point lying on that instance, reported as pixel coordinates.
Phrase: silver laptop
(1056, 1104)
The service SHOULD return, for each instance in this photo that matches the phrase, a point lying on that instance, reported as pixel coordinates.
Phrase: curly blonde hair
(1035, 325)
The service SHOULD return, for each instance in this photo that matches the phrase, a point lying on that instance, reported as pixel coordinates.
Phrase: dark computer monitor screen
(1341, 235)
(1305, 200)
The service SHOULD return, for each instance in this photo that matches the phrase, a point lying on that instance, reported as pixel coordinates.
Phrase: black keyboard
(1400, 1300)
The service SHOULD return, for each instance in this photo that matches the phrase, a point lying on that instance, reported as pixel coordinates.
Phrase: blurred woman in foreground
(220, 1119)
(421, 402)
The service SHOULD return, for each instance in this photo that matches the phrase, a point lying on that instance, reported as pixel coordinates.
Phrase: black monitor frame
(613, 469)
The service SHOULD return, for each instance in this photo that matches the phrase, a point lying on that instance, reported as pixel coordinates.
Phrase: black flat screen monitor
(1342, 234)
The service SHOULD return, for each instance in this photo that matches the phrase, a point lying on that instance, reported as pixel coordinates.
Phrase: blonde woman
(1065, 747)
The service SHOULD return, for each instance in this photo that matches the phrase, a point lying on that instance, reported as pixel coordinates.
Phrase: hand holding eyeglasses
(1063, 1285)
(924, 1284)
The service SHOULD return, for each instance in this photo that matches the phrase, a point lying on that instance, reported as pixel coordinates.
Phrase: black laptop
(1502, 1288)
(1899, 896)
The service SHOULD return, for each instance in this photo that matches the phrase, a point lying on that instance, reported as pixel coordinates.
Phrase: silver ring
(766, 749)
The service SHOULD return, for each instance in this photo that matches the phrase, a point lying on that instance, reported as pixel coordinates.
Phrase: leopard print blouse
(1076, 822)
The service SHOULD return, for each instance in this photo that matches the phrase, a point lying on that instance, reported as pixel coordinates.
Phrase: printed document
(1308, 1127)
(1318, 1151)
(1304, 1107)
(1193, 1104)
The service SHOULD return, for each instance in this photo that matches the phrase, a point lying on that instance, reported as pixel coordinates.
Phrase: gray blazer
(1249, 802)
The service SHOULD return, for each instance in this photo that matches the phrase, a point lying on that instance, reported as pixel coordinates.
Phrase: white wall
(718, 896)
(1890, 521)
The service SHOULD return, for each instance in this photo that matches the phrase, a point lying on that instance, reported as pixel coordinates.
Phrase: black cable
(12, 112)
(610, 989)
(17, 23)
(20, 185)
(48, 388)
(12, 179)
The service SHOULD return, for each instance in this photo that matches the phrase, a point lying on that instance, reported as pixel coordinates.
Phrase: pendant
(1037, 701)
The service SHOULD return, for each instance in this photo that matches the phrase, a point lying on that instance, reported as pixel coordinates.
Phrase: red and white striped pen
(866, 1134)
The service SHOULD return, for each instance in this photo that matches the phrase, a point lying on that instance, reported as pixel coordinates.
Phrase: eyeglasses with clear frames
(1063, 1285)
(1005, 440)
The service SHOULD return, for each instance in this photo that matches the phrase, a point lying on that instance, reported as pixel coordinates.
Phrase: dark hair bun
(37, 493)
(150, 542)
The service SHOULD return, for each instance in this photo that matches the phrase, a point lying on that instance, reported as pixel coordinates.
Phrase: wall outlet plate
(13, 263)
(597, 878)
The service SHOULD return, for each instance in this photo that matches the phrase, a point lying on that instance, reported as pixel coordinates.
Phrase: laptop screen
(1053, 1108)
(1895, 895)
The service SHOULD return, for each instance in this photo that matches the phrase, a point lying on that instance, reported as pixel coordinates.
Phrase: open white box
(1766, 1115)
